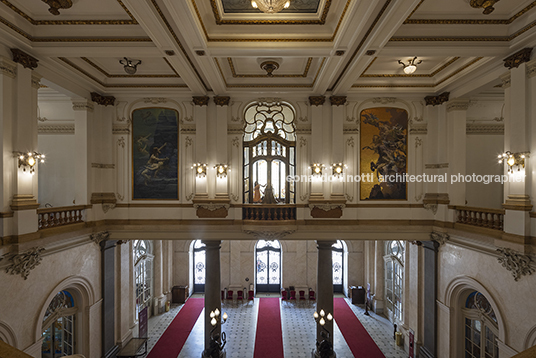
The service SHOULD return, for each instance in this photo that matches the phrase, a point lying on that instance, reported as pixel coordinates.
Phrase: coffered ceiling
(321, 46)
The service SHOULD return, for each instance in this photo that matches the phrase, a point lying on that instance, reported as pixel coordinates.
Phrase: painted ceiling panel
(244, 6)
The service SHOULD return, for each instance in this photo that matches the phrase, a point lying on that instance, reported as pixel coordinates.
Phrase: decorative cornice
(24, 59)
(83, 105)
(350, 129)
(440, 237)
(103, 166)
(102, 100)
(473, 128)
(437, 100)
(269, 235)
(221, 100)
(22, 264)
(200, 100)
(457, 106)
(317, 100)
(506, 80)
(188, 128)
(518, 58)
(8, 67)
(55, 129)
(337, 100)
(515, 262)
(120, 129)
(100, 237)
(418, 129)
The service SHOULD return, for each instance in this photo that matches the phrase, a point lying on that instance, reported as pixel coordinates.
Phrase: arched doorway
(268, 266)
(394, 279)
(143, 274)
(337, 259)
(199, 266)
(59, 327)
(480, 327)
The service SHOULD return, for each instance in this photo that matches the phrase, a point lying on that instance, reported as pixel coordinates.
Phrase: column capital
(82, 105)
(36, 78)
(506, 79)
(521, 56)
(325, 244)
(458, 105)
(102, 100)
(221, 100)
(24, 59)
(212, 244)
(200, 100)
(8, 67)
(337, 100)
(317, 100)
(437, 100)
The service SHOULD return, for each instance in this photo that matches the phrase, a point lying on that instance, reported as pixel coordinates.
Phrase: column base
(316, 354)
(518, 202)
(222, 354)
(24, 202)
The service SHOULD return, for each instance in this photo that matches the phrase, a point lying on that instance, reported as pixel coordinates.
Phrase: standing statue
(324, 349)
(215, 348)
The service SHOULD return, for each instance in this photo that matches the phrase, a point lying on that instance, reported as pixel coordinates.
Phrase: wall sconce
(130, 66)
(513, 160)
(316, 169)
(200, 170)
(29, 160)
(338, 169)
(411, 66)
(221, 170)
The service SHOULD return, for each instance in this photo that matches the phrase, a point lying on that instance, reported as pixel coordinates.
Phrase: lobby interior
(164, 161)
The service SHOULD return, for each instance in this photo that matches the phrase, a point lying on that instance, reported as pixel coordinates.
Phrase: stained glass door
(200, 268)
(268, 266)
(338, 268)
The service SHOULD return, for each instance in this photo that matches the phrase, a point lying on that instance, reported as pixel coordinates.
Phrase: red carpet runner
(357, 337)
(170, 343)
(269, 338)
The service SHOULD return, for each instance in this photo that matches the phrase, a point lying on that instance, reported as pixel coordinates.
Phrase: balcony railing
(269, 212)
(481, 217)
(60, 216)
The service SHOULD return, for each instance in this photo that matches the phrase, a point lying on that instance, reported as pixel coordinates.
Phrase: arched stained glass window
(200, 266)
(269, 153)
(337, 258)
(394, 278)
(58, 327)
(143, 274)
(480, 327)
(268, 266)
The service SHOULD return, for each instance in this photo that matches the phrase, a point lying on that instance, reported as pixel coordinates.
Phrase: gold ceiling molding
(466, 38)
(210, 39)
(176, 38)
(101, 70)
(320, 21)
(423, 85)
(367, 34)
(413, 12)
(170, 66)
(470, 21)
(429, 75)
(269, 86)
(90, 76)
(235, 75)
(18, 11)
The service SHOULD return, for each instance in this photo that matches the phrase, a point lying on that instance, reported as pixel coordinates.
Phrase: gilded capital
(24, 59)
(200, 100)
(437, 100)
(337, 100)
(221, 100)
(518, 58)
(317, 100)
(102, 100)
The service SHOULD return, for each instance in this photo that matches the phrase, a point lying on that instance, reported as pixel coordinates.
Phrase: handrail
(481, 217)
(60, 216)
(269, 212)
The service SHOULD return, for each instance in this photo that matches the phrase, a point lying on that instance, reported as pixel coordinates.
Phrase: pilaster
(201, 155)
(222, 113)
(338, 115)
(456, 148)
(318, 154)
(83, 124)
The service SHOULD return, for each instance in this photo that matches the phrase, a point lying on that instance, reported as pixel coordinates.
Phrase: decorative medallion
(517, 263)
(102, 100)
(487, 5)
(370, 52)
(437, 100)
(317, 100)
(269, 67)
(55, 5)
(200, 100)
(339, 53)
(221, 100)
(22, 264)
(518, 58)
(337, 100)
(24, 59)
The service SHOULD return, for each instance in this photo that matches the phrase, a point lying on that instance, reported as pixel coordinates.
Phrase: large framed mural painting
(384, 138)
(155, 159)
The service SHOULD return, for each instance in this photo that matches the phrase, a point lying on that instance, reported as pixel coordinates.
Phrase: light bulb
(42, 160)
(322, 321)
(42, 155)
(220, 169)
(212, 314)
(213, 322)
(315, 315)
(287, 4)
(317, 170)
(254, 4)
(339, 170)
(330, 317)
(225, 316)
(217, 312)
(31, 161)
(500, 161)
(500, 156)
(408, 70)
(511, 161)
(199, 170)
(322, 313)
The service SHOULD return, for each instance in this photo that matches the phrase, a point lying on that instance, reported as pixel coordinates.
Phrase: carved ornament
(327, 206)
(22, 264)
(8, 68)
(212, 206)
(200, 100)
(337, 100)
(82, 106)
(269, 235)
(431, 207)
(440, 237)
(458, 106)
(102, 100)
(384, 100)
(437, 100)
(317, 100)
(222, 100)
(24, 59)
(155, 100)
(515, 262)
(518, 58)
(100, 237)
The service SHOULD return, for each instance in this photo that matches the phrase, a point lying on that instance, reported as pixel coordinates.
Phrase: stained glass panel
(275, 267)
(262, 267)
(337, 268)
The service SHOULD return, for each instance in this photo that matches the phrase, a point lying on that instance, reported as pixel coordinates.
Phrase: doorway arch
(199, 266)
(268, 266)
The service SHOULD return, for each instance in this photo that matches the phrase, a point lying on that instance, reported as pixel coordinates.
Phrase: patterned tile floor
(297, 324)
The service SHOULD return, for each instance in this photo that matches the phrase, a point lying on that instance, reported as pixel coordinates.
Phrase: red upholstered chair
(240, 295)
(302, 295)
(312, 295)
(284, 295)
(222, 295)
(250, 295)
(229, 294)
(292, 295)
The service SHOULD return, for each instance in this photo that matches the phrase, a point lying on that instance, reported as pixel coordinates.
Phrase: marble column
(212, 286)
(324, 285)
(158, 271)
(379, 277)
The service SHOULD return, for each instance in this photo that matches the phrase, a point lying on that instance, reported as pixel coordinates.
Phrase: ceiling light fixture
(130, 66)
(270, 6)
(487, 5)
(411, 66)
(270, 66)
